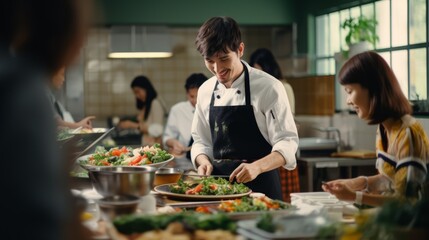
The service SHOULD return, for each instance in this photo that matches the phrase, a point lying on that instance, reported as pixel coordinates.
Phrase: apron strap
(246, 84)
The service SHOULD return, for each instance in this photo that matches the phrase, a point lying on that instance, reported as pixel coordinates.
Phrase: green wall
(246, 12)
(195, 12)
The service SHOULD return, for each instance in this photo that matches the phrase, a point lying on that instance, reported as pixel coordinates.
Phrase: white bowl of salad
(152, 156)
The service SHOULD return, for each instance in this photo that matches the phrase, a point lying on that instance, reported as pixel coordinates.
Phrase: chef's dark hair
(218, 34)
(372, 72)
(265, 58)
(195, 81)
(143, 82)
(49, 31)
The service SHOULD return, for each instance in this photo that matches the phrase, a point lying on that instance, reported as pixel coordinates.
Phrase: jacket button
(238, 92)
(218, 97)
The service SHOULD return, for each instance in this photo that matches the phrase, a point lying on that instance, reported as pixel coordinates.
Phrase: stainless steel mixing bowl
(113, 181)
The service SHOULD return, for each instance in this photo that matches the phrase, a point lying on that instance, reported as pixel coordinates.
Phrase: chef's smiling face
(358, 98)
(226, 66)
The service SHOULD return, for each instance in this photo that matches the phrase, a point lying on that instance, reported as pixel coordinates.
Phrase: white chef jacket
(179, 123)
(271, 107)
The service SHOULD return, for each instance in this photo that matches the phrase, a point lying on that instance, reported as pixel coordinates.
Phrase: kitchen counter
(313, 163)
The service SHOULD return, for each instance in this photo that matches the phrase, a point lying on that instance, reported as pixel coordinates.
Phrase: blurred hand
(86, 122)
(340, 190)
(204, 165)
(126, 124)
(245, 172)
(176, 148)
(354, 184)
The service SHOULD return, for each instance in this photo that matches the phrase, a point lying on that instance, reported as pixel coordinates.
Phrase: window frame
(407, 47)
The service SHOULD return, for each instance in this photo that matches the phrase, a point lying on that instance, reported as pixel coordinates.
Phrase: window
(402, 31)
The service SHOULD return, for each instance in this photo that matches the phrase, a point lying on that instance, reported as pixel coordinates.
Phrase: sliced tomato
(190, 192)
(203, 209)
(198, 188)
(136, 161)
(213, 186)
(124, 149)
(116, 152)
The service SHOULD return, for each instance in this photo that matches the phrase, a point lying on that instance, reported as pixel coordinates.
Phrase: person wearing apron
(242, 127)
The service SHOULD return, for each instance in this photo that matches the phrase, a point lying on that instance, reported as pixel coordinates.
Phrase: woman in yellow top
(402, 144)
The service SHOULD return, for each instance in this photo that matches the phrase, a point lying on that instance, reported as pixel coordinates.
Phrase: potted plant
(361, 33)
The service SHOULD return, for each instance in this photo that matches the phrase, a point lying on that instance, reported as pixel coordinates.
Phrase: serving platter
(165, 190)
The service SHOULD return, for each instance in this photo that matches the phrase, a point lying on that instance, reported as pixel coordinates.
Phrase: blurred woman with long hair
(150, 119)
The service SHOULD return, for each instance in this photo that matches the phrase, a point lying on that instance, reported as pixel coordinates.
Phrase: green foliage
(360, 29)
(265, 222)
(398, 217)
(129, 224)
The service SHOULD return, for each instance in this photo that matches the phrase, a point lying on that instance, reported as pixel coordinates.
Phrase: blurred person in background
(37, 38)
(243, 126)
(263, 59)
(401, 143)
(177, 135)
(62, 116)
(150, 119)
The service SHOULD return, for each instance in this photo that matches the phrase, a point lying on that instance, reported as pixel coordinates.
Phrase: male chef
(243, 125)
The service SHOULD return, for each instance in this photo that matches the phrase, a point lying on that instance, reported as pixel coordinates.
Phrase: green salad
(209, 186)
(127, 156)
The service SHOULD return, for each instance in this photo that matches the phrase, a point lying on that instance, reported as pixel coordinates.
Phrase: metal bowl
(114, 206)
(167, 175)
(112, 181)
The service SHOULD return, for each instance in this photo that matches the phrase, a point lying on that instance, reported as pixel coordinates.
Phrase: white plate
(313, 195)
(323, 198)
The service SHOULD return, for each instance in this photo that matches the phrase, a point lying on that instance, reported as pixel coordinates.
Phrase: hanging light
(140, 42)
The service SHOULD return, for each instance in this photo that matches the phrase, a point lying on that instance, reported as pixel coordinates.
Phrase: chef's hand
(340, 189)
(204, 165)
(245, 172)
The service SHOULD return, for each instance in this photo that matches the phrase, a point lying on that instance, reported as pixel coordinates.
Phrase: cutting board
(355, 154)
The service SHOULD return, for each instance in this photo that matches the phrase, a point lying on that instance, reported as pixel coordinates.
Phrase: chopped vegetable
(247, 204)
(209, 186)
(126, 156)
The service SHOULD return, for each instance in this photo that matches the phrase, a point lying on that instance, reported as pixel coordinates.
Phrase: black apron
(236, 139)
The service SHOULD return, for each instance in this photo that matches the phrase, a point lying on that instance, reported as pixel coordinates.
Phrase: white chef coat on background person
(179, 123)
(271, 108)
(178, 127)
